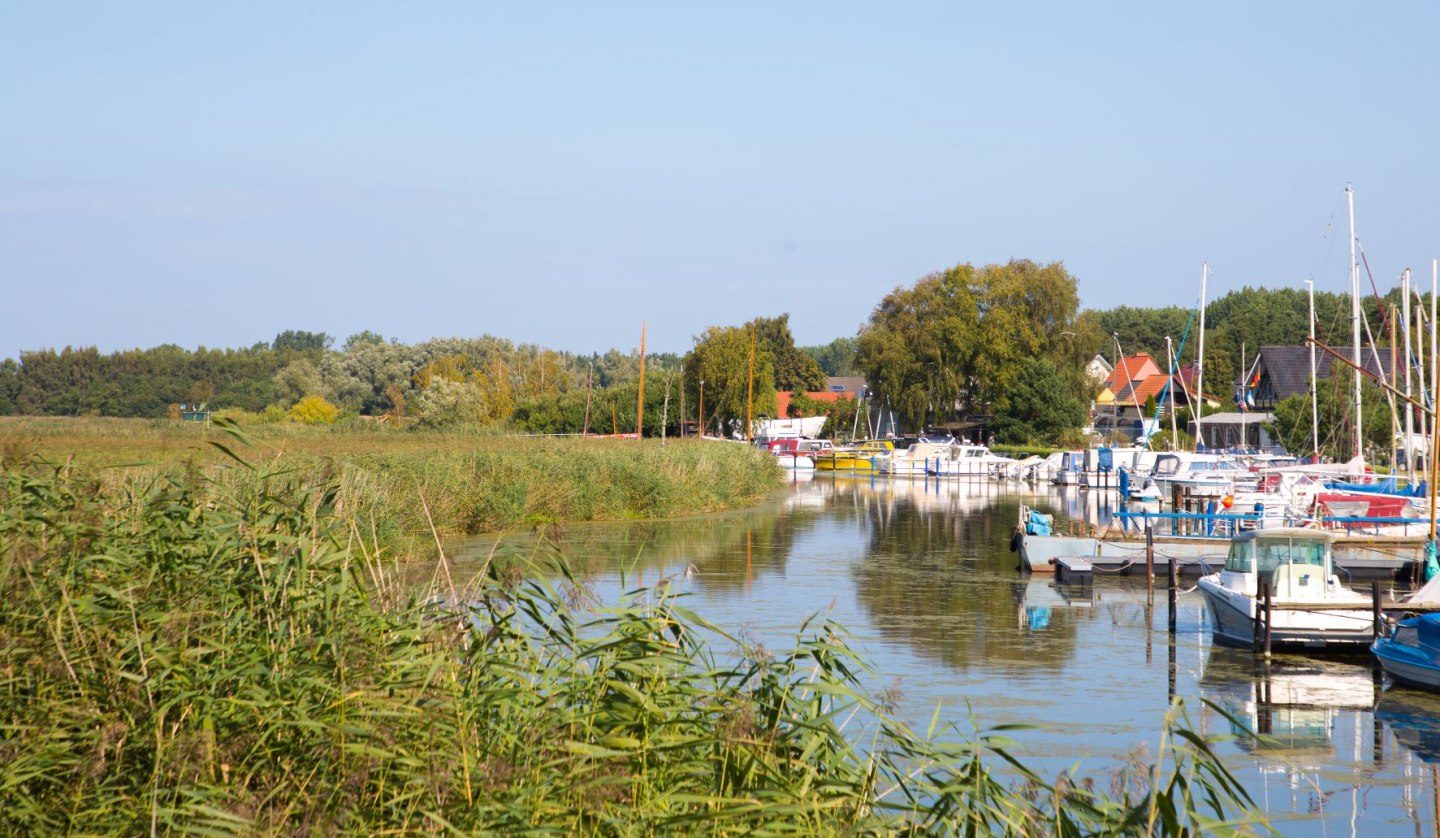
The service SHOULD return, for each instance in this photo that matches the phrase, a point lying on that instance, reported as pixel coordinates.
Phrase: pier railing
(1227, 525)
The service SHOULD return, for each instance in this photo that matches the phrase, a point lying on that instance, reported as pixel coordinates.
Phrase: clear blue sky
(554, 173)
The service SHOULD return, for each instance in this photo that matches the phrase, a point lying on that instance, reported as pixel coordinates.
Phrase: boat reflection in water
(1290, 703)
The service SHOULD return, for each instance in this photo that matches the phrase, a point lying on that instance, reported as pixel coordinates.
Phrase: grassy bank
(401, 481)
(186, 655)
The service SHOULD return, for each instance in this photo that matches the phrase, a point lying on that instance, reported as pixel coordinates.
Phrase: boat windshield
(1270, 553)
(1273, 552)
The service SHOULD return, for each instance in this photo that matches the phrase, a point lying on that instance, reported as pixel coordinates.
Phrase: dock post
(1174, 592)
(1375, 617)
(1259, 614)
(1149, 562)
(1269, 617)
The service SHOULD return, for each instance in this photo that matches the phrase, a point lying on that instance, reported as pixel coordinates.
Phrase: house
(1284, 371)
(1119, 410)
(1099, 369)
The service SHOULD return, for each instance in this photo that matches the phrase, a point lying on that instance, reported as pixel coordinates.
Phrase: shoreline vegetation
(403, 482)
(231, 650)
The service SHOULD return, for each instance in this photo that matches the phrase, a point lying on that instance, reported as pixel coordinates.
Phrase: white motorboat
(1298, 565)
(962, 460)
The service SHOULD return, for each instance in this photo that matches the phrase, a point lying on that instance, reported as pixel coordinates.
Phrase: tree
(295, 341)
(836, 358)
(961, 336)
(721, 358)
(362, 338)
(1292, 426)
(1038, 406)
(794, 370)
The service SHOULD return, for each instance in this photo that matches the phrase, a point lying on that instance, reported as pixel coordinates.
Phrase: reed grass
(182, 653)
(413, 484)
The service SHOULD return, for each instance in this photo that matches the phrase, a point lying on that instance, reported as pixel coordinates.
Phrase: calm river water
(922, 575)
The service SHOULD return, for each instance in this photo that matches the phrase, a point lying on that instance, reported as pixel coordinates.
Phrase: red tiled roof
(1135, 368)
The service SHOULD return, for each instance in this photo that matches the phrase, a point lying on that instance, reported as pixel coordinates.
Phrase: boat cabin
(1296, 562)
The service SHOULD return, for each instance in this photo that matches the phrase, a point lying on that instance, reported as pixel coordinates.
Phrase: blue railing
(1234, 521)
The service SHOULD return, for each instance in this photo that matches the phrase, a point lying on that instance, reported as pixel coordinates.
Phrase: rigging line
(1174, 361)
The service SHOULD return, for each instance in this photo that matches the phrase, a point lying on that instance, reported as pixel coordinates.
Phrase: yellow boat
(855, 459)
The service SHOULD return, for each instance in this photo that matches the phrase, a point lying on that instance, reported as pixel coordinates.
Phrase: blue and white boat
(1410, 653)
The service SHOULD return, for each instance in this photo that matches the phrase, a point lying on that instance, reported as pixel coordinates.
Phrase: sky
(212, 174)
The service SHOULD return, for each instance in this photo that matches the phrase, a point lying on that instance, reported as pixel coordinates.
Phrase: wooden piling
(1375, 615)
(1149, 563)
(1269, 616)
(1174, 582)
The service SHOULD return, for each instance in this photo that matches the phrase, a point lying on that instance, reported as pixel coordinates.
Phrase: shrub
(313, 410)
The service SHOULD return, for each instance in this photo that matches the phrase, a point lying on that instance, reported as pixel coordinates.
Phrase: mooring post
(1375, 616)
(1269, 617)
(1149, 562)
(1174, 581)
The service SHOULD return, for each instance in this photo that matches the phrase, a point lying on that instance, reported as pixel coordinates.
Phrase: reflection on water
(922, 575)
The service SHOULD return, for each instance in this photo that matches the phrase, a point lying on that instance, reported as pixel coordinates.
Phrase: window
(1238, 559)
(1272, 553)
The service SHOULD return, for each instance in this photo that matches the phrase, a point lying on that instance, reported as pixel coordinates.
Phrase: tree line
(1008, 341)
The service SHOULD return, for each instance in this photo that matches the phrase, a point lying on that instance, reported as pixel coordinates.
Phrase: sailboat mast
(1355, 322)
(1200, 360)
(1174, 431)
(640, 399)
(1314, 393)
(1409, 409)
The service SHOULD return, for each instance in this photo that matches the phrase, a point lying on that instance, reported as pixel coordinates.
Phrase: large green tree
(795, 371)
(721, 359)
(958, 339)
(1040, 405)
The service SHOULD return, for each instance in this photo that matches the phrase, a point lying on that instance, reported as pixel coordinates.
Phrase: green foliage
(235, 657)
(1292, 427)
(839, 414)
(836, 358)
(722, 360)
(313, 410)
(361, 338)
(795, 371)
(291, 340)
(1038, 406)
(960, 337)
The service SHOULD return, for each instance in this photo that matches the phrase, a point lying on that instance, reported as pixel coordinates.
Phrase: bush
(313, 410)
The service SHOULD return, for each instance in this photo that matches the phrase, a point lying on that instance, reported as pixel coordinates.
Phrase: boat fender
(1015, 538)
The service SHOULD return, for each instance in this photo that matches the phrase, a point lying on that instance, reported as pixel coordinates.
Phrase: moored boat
(857, 459)
(1298, 567)
(1410, 651)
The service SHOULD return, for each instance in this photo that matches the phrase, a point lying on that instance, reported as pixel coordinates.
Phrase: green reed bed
(185, 655)
(413, 486)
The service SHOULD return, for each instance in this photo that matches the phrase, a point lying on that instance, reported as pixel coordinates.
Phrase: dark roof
(1286, 369)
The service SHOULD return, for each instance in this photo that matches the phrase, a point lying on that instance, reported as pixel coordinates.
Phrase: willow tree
(721, 358)
(958, 339)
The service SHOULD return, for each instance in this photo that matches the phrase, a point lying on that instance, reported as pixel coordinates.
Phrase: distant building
(1284, 371)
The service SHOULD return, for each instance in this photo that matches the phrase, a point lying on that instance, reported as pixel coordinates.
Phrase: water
(922, 575)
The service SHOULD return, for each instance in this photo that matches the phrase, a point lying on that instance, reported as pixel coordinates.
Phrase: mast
(1409, 410)
(640, 405)
(1355, 323)
(1434, 375)
(1200, 360)
(750, 391)
(1314, 394)
(1174, 431)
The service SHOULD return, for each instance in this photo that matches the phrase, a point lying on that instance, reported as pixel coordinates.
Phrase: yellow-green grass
(406, 482)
